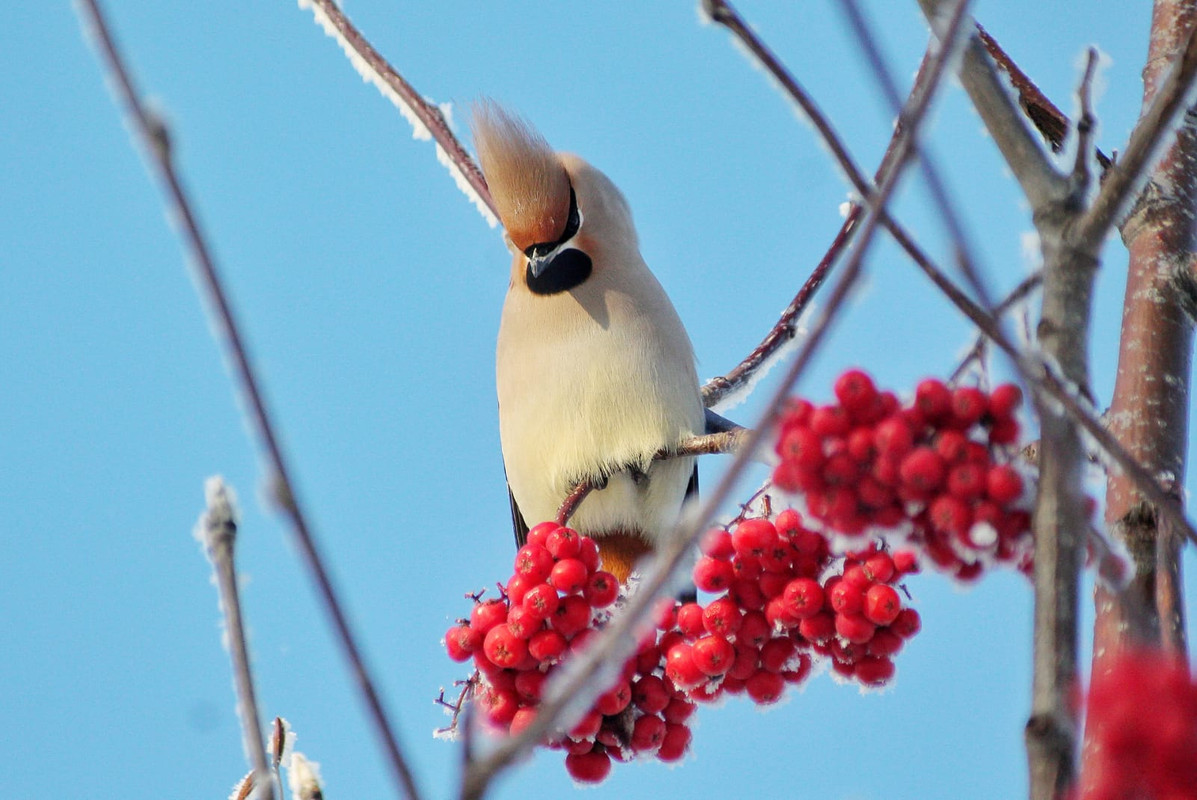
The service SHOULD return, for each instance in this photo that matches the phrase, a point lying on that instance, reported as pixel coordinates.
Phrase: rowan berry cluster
(1143, 719)
(934, 471)
(550, 607)
(786, 599)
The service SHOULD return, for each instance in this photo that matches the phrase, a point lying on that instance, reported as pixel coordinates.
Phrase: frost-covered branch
(217, 532)
(427, 120)
(155, 139)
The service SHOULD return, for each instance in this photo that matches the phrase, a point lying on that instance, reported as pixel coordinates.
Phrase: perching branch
(155, 139)
(576, 688)
(217, 531)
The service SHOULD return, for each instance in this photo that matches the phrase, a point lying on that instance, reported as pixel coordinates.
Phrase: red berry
(765, 687)
(647, 733)
(874, 670)
(754, 629)
(950, 514)
(564, 543)
(854, 627)
(856, 392)
(788, 524)
(500, 705)
(538, 534)
(801, 447)
(893, 437)
(615, 700)
(1003, 484)
(546, 646)
(906, 562)
(522, 622)
(722, 617)
(690, 620)
(504, 648)
(601, 589)
(588, 553)
(679, 710)
(969, 404)
(674, 742)
(487, 615)
(952, 446)
(592, 767)
(533, 562)
(856, 575)
(803, 598)
(572, 615)
(1004, 431)
(907, 623)
(461, 641)
(845, 598)
(541, 600)
(882, 604)
(522, 718)
(529, 684)
(923, 470)
(517, 586)
(754, 537)
(650, 695)
(681, 668)
(1004, 400)
(879, 567)
(967, 480)
(818, 628)
(568, 576)
(776, 654)
(884, 643)
(932, 399)
(713, 655)
(829, 421)
(747, 594)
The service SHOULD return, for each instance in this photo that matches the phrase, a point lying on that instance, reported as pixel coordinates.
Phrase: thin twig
(424, 116)
(1047, 118)
(1144, 144)
(217, 531)
(576, 687)
(1016, 295)
(155, 140)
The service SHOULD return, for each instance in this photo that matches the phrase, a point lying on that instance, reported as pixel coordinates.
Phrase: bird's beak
(539, 260)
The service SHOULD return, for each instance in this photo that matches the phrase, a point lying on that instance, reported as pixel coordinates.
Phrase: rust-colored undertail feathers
(526, 179)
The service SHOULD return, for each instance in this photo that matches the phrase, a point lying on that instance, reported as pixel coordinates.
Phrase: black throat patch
(567, 269)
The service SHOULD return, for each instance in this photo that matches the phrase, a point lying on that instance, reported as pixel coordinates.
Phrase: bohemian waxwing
(595, 370)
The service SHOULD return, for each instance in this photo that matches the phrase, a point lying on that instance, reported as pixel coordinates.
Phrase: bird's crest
(526, 179)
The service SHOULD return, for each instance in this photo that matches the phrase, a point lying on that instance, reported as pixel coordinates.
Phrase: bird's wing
(521, 527)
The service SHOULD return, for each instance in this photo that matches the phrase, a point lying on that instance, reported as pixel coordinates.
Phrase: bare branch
(217, 531)
(1150, 132)
(1030, 165)
(155, 140)
(1047, 118)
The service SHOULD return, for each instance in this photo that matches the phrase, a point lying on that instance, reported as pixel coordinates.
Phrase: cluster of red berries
(549, 609)
(933, 470)
(1143, 718)
(785, 598)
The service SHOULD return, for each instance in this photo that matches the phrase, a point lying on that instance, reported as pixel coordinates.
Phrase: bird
(595, 372)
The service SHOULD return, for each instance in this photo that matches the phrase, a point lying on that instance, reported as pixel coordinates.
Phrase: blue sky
(370, 292)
